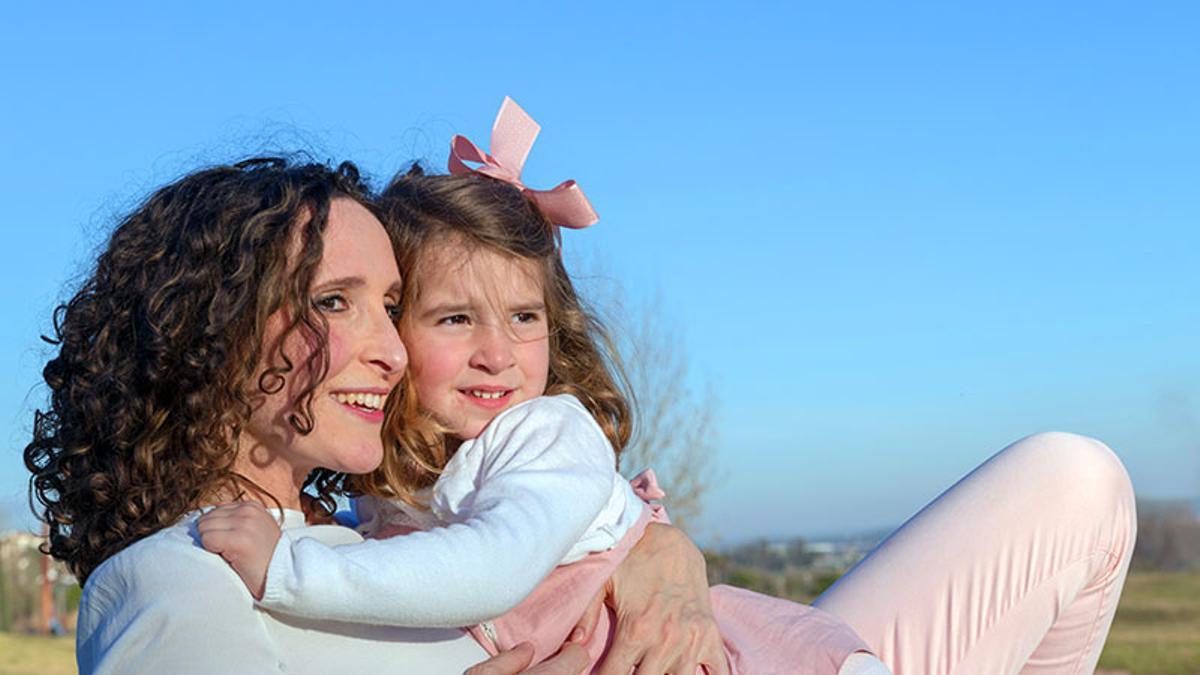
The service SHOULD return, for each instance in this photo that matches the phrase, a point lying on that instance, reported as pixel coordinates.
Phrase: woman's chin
(365, 459)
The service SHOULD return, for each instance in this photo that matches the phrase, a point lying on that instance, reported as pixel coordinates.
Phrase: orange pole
(47, 595)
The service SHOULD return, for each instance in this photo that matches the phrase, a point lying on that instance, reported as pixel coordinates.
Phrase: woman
(235, 342)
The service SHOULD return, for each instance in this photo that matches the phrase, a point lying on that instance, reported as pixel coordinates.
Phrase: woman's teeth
(370, 401)
(487, 394)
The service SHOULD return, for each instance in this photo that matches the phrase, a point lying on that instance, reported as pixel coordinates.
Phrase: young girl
(504, 472)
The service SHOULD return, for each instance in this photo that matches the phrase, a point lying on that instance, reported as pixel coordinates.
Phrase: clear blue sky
(894, 237)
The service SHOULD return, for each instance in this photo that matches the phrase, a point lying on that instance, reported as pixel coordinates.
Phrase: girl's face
(477, 335)
(357, 289)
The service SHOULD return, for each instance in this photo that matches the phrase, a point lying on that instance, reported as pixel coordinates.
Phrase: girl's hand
(314, 512)
(244, 534)
(665, 621)
(572, 659)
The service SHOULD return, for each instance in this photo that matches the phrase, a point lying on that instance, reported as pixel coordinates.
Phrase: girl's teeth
(487, 394)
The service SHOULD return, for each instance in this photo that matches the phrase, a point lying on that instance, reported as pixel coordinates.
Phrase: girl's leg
(1017, 568)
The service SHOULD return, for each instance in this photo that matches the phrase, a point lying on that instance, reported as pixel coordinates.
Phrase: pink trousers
(1017, 568)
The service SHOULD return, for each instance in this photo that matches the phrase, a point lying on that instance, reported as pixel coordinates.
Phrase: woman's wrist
(664, 613)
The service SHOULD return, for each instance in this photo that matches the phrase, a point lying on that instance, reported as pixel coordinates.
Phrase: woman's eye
(331, 303)
(393, 312)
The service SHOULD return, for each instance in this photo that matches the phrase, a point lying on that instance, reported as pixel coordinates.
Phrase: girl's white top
(165, 605)
(538, 488)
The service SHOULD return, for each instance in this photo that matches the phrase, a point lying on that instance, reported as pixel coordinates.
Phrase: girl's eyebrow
(445, 308)
(529, 307)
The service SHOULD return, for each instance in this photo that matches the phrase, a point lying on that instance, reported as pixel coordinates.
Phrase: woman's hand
(244, 534)
(572, 659)
(664, 616)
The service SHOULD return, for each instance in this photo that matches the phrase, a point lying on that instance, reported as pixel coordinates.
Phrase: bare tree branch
(674, 424)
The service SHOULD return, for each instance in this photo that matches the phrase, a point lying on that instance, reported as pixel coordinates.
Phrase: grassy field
(1157, 629)
(1156, 632)
(29, 655)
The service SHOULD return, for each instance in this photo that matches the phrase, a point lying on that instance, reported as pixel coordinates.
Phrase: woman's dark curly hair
(158, 357)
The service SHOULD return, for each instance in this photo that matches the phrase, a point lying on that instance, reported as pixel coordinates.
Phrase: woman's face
(357, 289)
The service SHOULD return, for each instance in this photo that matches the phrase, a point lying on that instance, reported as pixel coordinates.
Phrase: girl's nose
(494, 351)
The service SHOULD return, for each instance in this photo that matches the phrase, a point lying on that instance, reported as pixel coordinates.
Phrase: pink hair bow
(513, 135)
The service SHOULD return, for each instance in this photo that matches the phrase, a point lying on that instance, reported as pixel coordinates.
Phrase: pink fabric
(513, 134)
(1015, 569)
(763, 635)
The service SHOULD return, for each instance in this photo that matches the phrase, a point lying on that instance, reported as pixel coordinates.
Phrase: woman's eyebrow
(344, 282)
(357, 282)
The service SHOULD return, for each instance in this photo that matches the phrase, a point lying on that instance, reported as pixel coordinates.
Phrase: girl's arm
(546, 471)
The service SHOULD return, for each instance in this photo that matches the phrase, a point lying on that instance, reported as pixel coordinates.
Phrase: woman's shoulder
(163, 564)
(166, 590)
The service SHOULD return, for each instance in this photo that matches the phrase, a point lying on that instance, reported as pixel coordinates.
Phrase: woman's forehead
(356, 244)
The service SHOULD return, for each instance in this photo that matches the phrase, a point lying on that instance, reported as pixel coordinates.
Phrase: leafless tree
(674, 421)
(1168, 537)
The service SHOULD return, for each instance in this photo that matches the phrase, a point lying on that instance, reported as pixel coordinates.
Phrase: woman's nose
(386, 350)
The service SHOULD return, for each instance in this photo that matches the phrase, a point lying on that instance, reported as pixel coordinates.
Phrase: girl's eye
(393, 312)
(331, 303)
(526, 317)
(454, 320)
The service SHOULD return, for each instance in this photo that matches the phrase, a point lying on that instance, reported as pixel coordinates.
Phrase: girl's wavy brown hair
(423, 211)
(158, 357)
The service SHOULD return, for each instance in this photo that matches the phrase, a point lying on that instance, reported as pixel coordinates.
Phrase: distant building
(21, 586)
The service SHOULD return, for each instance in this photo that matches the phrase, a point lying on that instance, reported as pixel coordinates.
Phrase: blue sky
(892, 238)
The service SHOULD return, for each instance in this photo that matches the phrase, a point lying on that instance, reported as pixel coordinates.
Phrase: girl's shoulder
(554, 429)
(562, 410)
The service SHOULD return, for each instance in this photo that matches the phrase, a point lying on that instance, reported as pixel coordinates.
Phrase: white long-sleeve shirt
(538, 488)
(165, 605)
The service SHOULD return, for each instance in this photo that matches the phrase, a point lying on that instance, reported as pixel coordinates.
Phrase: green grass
(33, 655)
(1156, 632)
(1157, 628)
